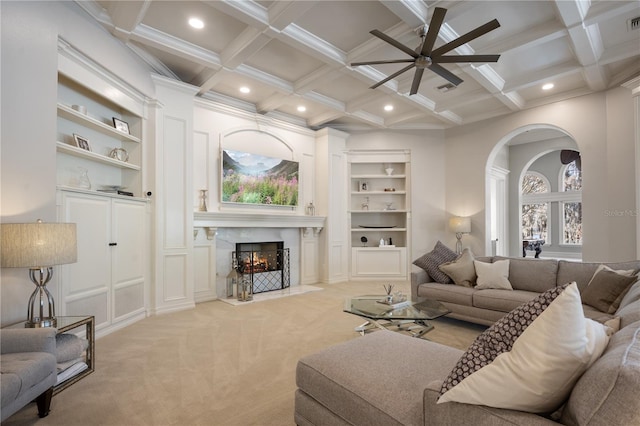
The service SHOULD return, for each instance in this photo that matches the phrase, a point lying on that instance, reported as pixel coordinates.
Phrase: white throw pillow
(493, 275)
(544, 363)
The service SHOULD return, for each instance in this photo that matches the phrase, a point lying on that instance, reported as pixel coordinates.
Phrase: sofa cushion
(596, 315)
(582, 272)
(27, 368)
(493, 275)
(500, 300)
(629, 314)
(606, 289)
(530, 359)
(432, 260)
(362, 382)
(447, 293)
(461, 271)
(537, 275)
(607, 393)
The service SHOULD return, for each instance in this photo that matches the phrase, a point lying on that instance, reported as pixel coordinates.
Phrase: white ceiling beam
(247, 11)
(153, 62)
(357, 102)
(413, 13)
(170, 44)
(324, 118)
(250, 41)
(209, 78)
(126, 15)
(525, 40)
(461, 99)
(283, 13)
(586, 41)
(403, 118)
(539, 76)
(324, 74)
(271, 103)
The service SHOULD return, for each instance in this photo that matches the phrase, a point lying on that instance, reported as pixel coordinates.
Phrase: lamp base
(40, 277)
(459, 243)
(41, 323)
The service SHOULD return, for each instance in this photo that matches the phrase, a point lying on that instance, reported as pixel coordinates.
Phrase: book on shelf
(117, 191)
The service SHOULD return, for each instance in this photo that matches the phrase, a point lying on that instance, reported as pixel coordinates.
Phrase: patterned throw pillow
(432, 260)
(530, 359)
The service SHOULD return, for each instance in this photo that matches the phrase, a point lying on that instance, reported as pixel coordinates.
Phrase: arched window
(535, 211)
(571, 212)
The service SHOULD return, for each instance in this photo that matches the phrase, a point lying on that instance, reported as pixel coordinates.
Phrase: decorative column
(634, 86)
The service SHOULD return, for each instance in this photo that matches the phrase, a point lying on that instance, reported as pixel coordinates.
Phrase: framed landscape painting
(256, 179)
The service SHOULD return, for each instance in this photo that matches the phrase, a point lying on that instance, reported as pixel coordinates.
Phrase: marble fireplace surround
(225, 229)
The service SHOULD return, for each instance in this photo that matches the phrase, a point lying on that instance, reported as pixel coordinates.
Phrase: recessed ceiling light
(196, 23)
(302, 108)
(245, 89)
(547, 86)
(388, 107)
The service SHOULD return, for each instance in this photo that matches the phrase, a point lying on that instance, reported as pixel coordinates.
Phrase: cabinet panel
(92, 215)
(379, 262)
(129, 234)
(108, 280)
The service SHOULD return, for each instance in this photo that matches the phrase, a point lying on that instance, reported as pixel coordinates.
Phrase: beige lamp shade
(38, 245)
(460, 225)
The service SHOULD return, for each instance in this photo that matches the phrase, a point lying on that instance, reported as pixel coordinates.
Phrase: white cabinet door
(86, 284)
(128, 257)
(108, 280)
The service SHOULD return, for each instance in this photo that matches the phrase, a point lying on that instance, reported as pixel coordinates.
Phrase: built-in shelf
(67, 112)
(83, 153)
(381, 202)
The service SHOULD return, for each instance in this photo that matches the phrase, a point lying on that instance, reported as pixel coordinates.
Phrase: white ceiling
(292, 53)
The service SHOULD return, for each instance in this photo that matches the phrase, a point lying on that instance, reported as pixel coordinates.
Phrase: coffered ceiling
(294, 54)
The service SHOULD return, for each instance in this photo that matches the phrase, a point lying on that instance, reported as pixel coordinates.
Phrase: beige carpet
(217, 364)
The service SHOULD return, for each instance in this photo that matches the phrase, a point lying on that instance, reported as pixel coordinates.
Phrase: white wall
(29, 48)
(608, 185)
(429, 217)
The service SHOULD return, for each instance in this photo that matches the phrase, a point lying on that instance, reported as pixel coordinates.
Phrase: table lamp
(460, 225)
(38, 246)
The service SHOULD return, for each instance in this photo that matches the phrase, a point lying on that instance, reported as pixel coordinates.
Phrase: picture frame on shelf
(120, 125)
(363, 186)
(81, 142)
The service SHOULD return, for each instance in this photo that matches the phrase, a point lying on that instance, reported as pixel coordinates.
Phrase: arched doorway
(505, 168)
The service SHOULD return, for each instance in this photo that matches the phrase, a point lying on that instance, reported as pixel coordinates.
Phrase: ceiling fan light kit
(426, 57)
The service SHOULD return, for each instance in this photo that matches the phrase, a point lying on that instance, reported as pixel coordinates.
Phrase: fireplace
(265, 264)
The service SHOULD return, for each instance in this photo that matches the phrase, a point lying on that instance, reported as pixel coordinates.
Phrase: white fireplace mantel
(255, 220)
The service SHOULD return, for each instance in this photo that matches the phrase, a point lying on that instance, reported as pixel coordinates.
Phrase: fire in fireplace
(265, 264)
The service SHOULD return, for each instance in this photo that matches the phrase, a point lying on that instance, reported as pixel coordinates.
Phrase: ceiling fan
(425, 56)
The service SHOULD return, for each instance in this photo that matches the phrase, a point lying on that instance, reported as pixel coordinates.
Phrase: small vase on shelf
(83, 179)
(203, 201)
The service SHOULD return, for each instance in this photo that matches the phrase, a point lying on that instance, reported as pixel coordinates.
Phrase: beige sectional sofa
(387, 378)
(528, 277)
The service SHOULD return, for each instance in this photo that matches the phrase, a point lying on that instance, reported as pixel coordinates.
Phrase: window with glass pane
(572, 223)
(572, 179)
(534, 221)
(534, 184)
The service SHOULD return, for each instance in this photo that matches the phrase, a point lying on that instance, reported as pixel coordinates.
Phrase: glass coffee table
(411, 318)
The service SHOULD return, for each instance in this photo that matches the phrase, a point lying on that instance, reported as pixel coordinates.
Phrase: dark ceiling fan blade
(416, 81)
(392, 76)
(392, 61)
(481, 30)
(434, 28)
(446, 74)
(568, 156)
(394, 43)
(465, 58)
